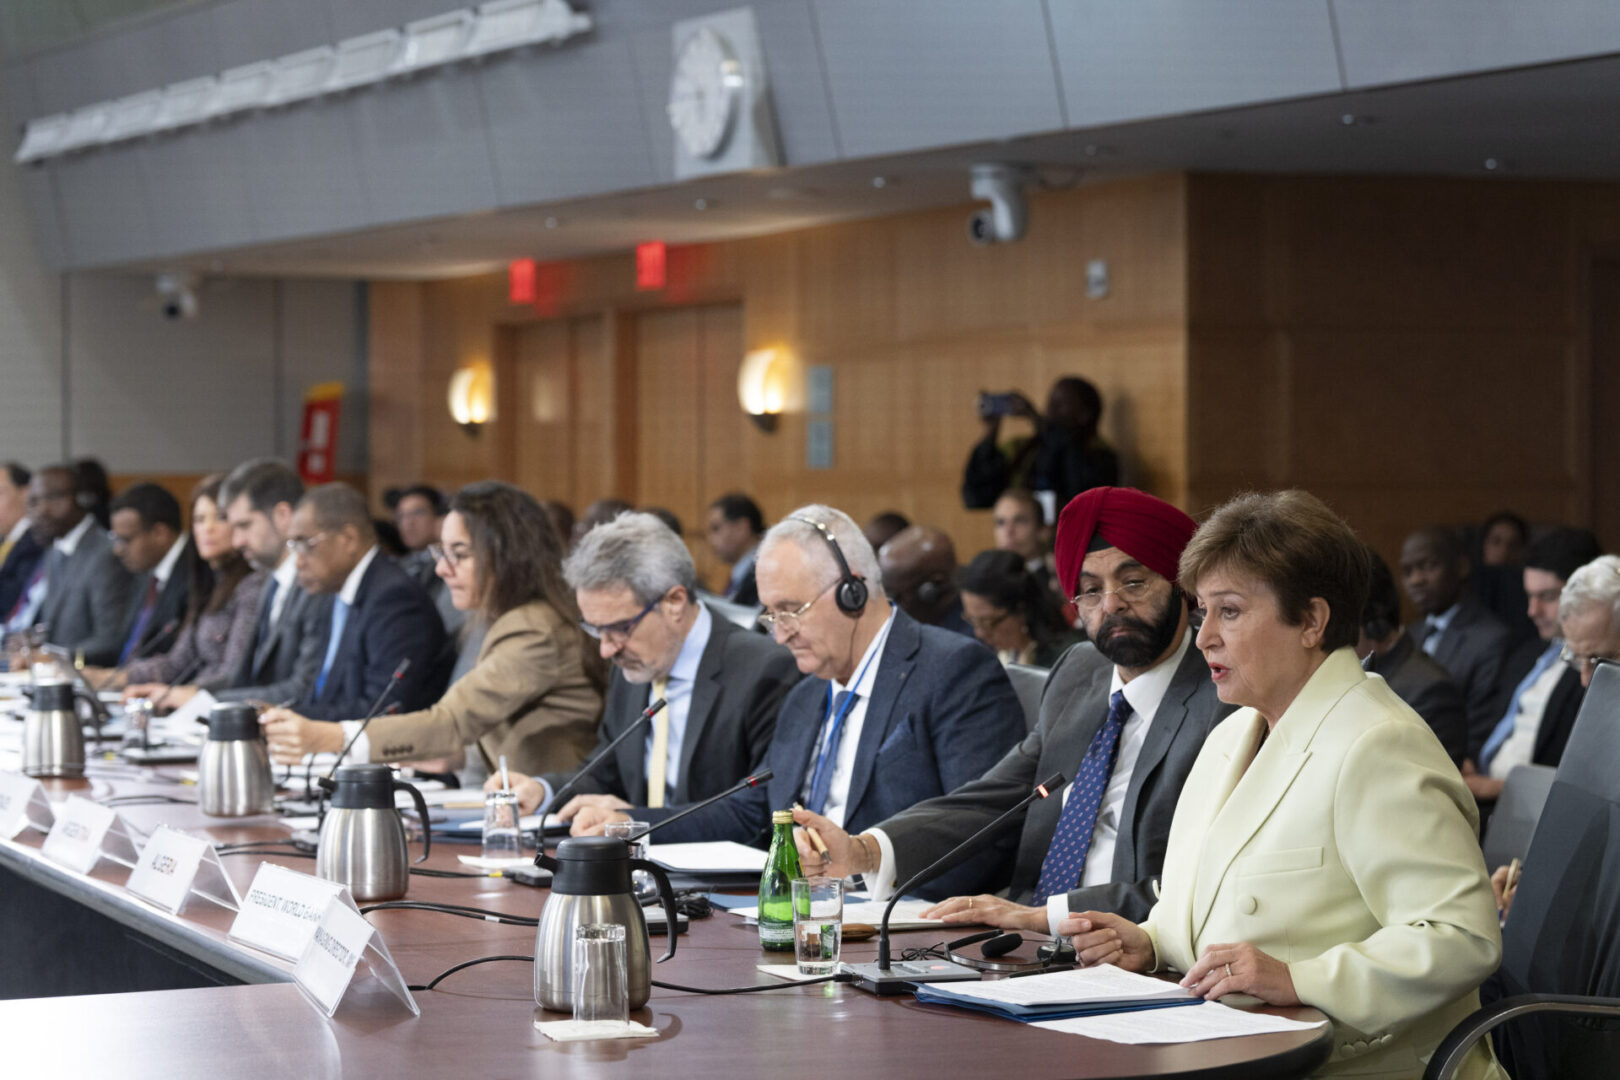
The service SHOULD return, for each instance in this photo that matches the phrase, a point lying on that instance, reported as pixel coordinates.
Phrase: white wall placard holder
(173, 865)
(344, 945)
(23, 805)
(84, 831)
(280, 910)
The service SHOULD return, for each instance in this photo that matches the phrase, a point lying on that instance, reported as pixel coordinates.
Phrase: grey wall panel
(1165, 57)
(1385, 41)
(322, 327)
(905, 77)
(38, 186)
(79, 74)
(804, 120)
(30, 326)
(249, 30)
(17, 86)
(655, 65)
(351, 18)
(423, 147)
(102, 199)
(163, 51)
(303, 172)
(566, 122)
(198, 190)
(152, 395)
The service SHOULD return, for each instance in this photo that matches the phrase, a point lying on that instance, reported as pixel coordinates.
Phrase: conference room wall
(912, 319)
(1411, 350)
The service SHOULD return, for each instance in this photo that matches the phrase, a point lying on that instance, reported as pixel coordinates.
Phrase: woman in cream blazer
(535, 692)
(1324, 849)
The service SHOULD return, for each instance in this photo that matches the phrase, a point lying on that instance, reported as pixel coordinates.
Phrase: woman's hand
(173, 696)
(292, 736)
(1241, 969)
(104, 678)
(1100, 937)
(985, 910)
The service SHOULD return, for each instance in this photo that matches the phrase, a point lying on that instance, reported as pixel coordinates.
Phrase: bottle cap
(781, 817)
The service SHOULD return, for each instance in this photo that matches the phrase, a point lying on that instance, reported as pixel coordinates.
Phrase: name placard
(23, 805)
(342, 945)
(173, 865)
(281, 909)
(84, 831)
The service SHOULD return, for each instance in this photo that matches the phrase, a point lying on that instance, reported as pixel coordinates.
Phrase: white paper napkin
(585, 1030)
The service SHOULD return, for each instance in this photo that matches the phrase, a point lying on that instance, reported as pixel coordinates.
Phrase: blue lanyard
(830, 744)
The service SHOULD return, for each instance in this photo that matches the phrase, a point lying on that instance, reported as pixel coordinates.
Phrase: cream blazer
(527, 697)
(1346, 848)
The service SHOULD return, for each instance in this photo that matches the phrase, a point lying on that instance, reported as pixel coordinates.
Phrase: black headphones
(850, 595)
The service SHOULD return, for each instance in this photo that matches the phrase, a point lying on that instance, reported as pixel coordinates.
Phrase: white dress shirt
(286, 578)
(1145, 693)
(165, 569)
(865, 677)
(69, 543)
(33, 601)
(1519, 748)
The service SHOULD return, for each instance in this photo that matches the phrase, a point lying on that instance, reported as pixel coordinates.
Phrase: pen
(1515, 867)
(506, 783)
(815, 838)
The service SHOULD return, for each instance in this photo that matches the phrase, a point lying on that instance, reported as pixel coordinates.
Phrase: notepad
(1205, 1020)
(1061, 994)
(717, 857)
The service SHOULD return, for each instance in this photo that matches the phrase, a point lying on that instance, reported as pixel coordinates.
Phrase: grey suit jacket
(1472, 649)
(741, 680)
(1073, 708)
(86, 599)
(1423, 684)
(283, 665)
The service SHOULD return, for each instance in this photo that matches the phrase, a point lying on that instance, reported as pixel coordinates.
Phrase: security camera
(177, 295)
(1002, 186)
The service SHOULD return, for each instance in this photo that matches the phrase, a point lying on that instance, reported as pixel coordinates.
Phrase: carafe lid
(232, 721)
(53, 696)
(364, 787)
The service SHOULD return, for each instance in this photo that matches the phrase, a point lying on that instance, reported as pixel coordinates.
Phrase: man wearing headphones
(891, 712)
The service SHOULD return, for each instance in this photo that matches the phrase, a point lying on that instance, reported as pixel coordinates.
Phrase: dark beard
(1144, 642)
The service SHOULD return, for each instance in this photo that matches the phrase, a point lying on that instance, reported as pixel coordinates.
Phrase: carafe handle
(422, 811)
(666, 894)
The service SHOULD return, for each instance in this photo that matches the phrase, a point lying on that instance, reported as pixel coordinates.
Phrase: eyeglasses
(788, 621)
(49, 496)
(119, 541)
(986, 623)
(1091, 598)
(1582, 663)
(451, 559)
(303, 545)
(618, 633)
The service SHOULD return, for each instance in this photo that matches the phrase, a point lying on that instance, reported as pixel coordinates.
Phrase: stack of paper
(1060, 994)
(1205, 1020)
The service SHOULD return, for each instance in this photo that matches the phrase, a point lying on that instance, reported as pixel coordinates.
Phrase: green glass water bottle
(776, 885)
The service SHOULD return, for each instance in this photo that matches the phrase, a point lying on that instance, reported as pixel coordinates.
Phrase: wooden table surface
(480, 1021)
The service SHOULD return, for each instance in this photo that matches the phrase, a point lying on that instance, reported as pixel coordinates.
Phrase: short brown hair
(1296, 546)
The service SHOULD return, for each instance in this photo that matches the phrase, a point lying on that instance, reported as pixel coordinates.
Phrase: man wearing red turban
(1123, 717)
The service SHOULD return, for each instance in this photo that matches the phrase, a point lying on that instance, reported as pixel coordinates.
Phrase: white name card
(23, 805)
(281, 909)
(84, 831)
(343, 945)
(173, 865)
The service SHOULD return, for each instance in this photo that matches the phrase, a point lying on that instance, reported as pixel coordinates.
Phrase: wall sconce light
(472, 396)
(762, 386)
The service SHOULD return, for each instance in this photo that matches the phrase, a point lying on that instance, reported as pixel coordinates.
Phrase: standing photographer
(1063, 458)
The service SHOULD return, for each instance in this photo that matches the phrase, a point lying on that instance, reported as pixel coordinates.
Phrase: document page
(723, 856)
(1193, 1023)
(1077, 987)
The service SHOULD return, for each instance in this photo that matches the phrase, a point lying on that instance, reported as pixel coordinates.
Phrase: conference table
(227, 1010)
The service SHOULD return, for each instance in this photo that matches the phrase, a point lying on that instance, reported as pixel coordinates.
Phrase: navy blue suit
(18, 568)
(942, 713)
(392, 619)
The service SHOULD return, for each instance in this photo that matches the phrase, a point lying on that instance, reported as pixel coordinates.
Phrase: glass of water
(818, 923)
(601, 990)
(501, 837)
(641, 882)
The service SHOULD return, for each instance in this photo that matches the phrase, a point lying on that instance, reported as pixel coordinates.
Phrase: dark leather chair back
(1029, 683)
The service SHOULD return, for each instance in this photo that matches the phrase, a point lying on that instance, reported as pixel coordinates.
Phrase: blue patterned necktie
(1066, 858)
(821, 779)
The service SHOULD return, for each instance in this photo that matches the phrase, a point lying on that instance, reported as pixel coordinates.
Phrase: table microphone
(328, 782)
(884, 978)
(763, 776)
(584, 770)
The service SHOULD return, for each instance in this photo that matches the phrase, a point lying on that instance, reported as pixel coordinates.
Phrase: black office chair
(1560, 974)
(1518, 808)
(1029, 683)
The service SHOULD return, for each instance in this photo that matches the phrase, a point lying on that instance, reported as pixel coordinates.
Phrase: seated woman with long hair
(221, 610)
(535, 693)
(1013, 611)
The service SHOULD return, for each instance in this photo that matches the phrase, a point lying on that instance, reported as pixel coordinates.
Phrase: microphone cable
(460, 910)
(839, 976)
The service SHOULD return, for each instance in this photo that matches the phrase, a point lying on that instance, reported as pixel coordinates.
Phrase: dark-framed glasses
(618, 632)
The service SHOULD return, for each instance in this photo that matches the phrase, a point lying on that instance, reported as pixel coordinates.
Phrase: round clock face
(704, 94)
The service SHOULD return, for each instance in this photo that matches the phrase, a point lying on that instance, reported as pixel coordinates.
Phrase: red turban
(1149, 530)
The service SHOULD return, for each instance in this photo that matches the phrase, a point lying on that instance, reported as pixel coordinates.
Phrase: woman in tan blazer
(535, 692)
(1323, 850)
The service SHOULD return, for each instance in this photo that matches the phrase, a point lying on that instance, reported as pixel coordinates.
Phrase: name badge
(23, 805)
(173, 865)
(84, 831)
(342, 945)
(281, 909)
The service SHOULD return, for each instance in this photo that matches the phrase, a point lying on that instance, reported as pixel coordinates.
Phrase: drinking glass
(818, 923)
(642, 884)
(501, 837)
(600, 991)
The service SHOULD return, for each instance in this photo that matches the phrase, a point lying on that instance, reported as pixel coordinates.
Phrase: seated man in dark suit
(19, 551)
(734, 528)
(152, 544)
(81, 591)
(1544, 690)
(379, 618)
(1468, 641)
(893, 712)
(1123, 719)
(636, 587)
(1387, 650)
(919, 574)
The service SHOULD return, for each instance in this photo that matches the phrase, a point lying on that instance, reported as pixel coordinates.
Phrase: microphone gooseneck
(146, 649)
(371, 714)
(586, 769)
(955, 855)
(188, 672)
(763, 776)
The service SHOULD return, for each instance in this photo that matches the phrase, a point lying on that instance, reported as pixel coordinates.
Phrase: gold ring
(1228, 971)
(970, 903)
